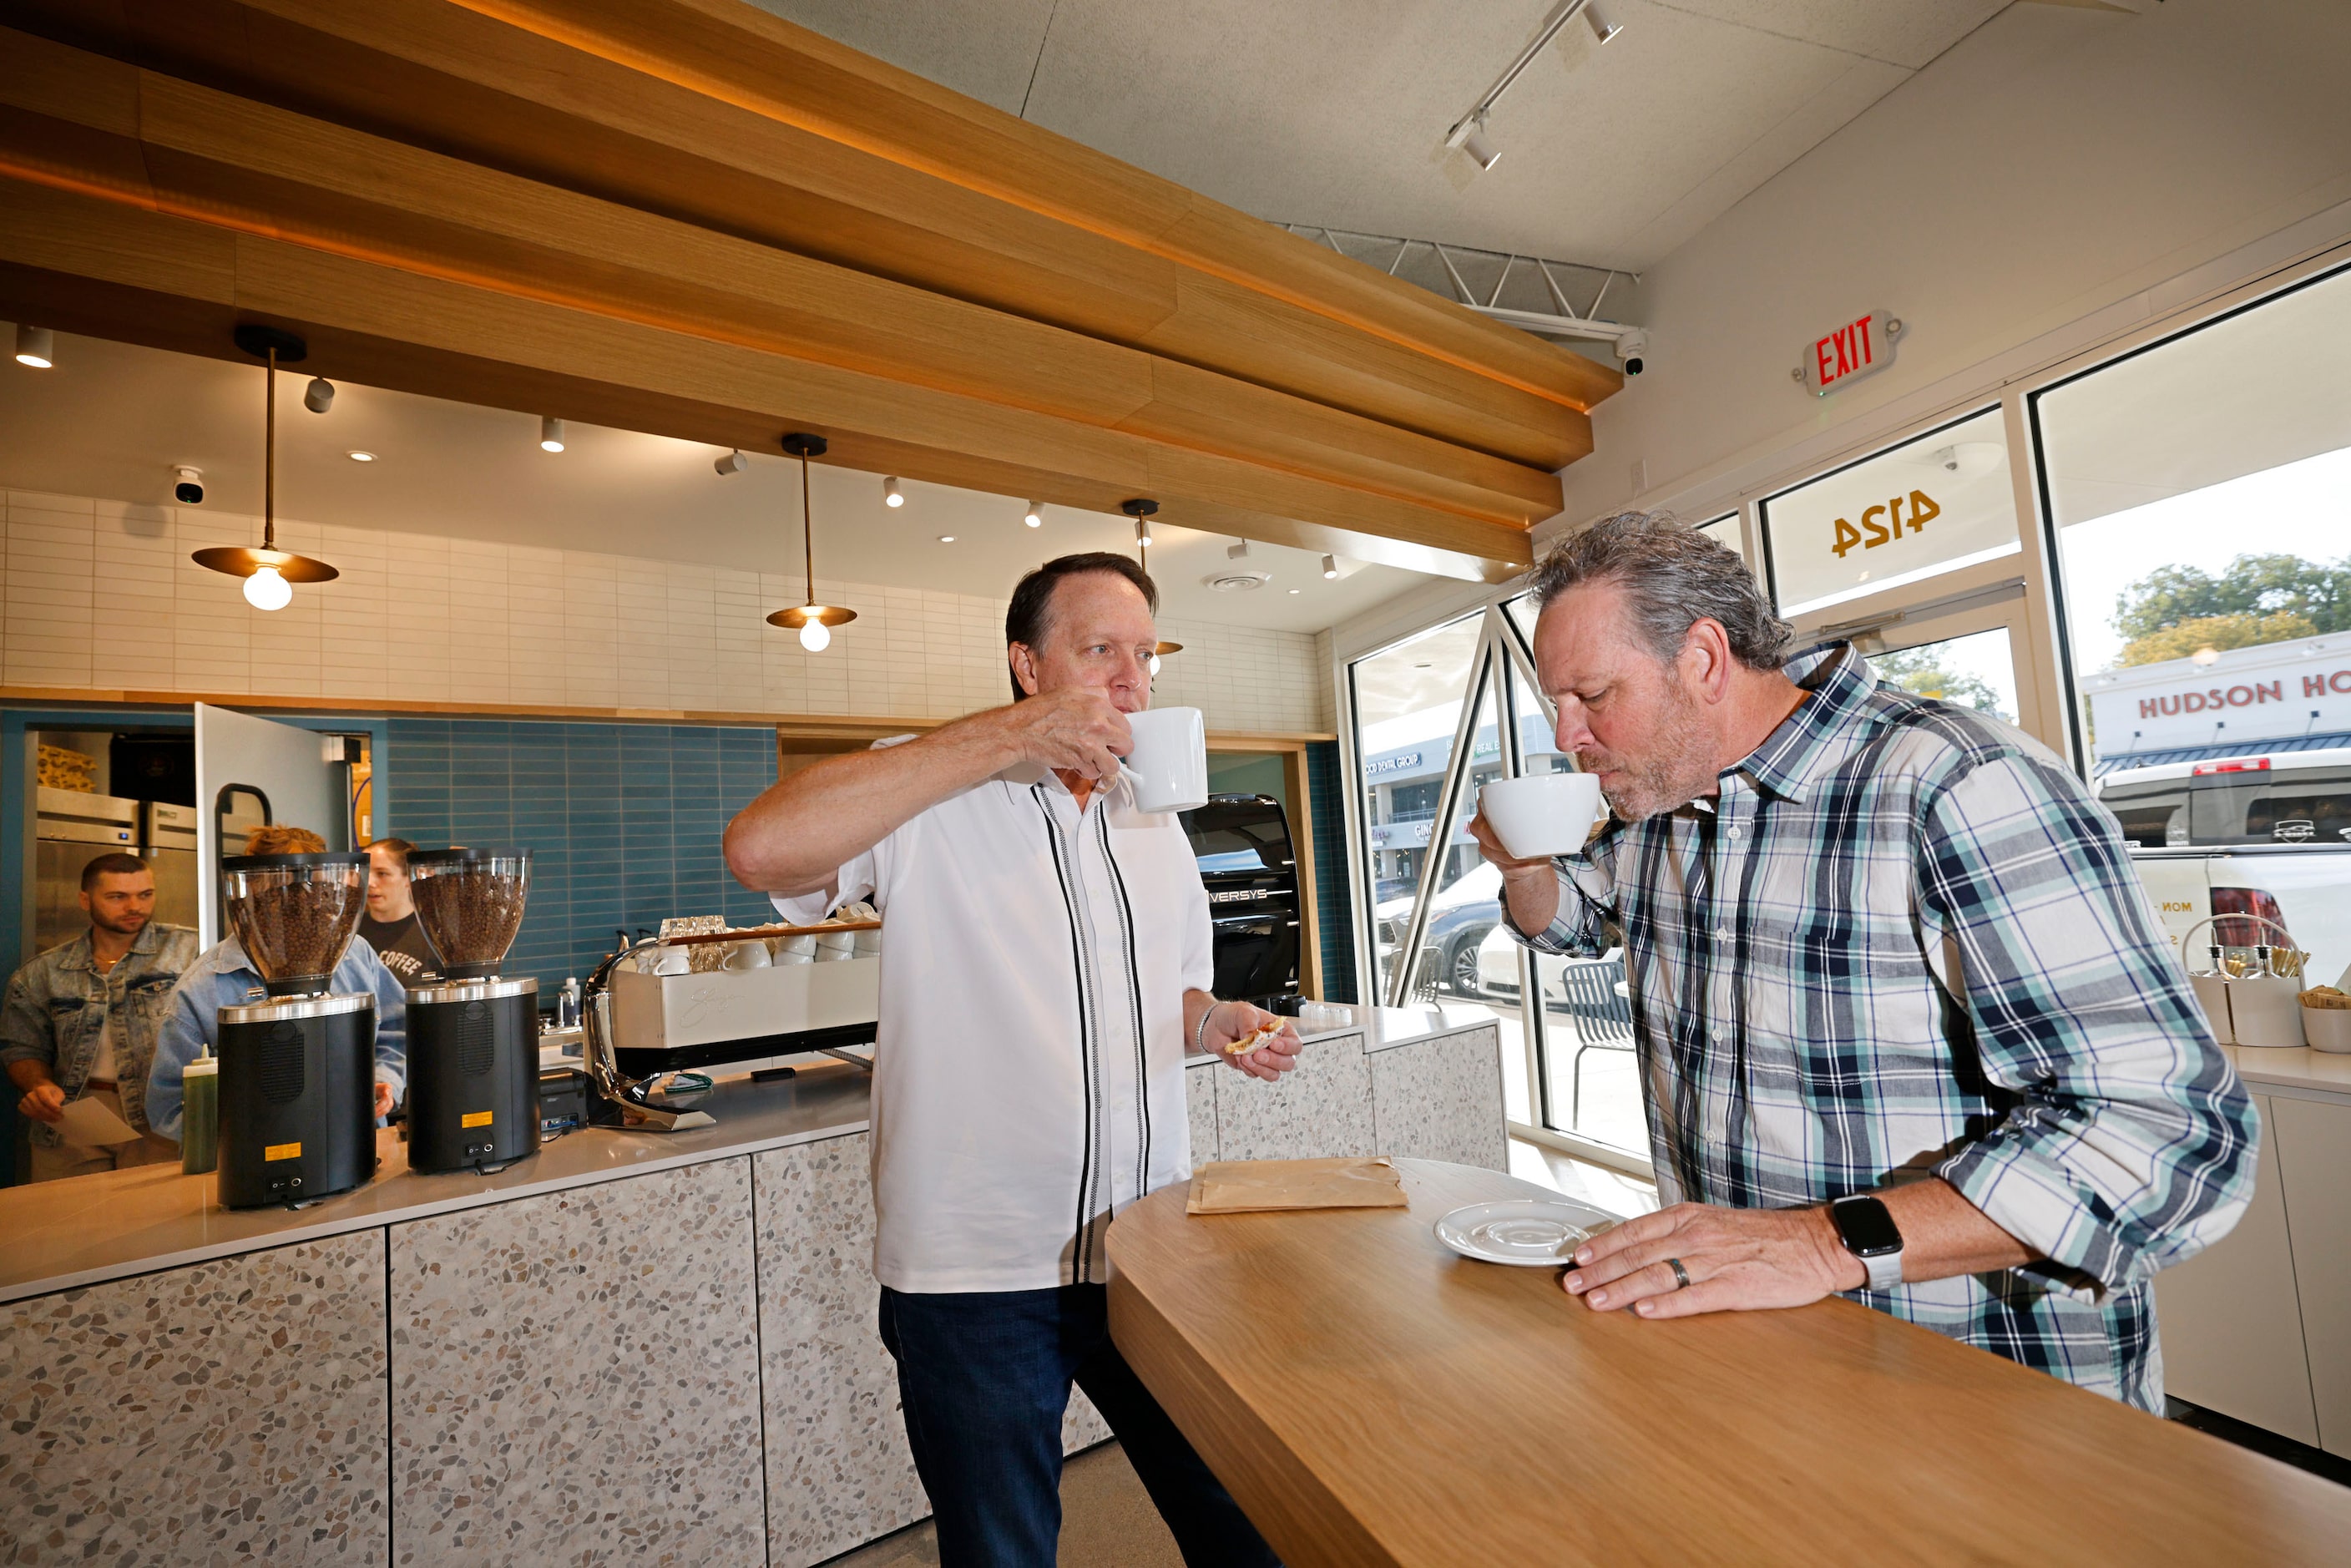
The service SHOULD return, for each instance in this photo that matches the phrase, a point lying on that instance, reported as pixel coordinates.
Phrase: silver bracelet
(1200, 1033)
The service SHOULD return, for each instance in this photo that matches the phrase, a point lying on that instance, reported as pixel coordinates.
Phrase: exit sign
(1862, 347)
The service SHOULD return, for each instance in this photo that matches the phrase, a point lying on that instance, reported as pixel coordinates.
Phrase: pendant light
(268, 571)
(812, 621)
(1141, 509)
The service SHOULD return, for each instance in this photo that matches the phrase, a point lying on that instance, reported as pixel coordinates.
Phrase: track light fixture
(320, 395)
(1330, 567)
(36, 346)
(812, 621)
(1469, 132)
(270, 572)
(1035, 516)
(891, 496)
(1482, 151)
(550, 433)
(733, 462)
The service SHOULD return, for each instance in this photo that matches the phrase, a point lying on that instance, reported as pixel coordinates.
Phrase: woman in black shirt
(389, 924)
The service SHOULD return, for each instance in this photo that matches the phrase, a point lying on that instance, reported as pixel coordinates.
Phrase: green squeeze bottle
(200, 1115)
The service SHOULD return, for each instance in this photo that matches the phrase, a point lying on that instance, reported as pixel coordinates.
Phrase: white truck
(2263, 834)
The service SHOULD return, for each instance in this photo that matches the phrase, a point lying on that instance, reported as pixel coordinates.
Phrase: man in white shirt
(1046, 972)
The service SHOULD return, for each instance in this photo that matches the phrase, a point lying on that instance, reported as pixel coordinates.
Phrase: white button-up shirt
(1028, 1073)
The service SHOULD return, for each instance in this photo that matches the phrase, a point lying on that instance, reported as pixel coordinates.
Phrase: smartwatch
(1869, 1233)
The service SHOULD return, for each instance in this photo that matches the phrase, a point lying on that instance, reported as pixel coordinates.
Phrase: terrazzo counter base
(634, 1345)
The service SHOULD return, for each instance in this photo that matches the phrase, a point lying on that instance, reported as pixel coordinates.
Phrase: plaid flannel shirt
(1906, 942)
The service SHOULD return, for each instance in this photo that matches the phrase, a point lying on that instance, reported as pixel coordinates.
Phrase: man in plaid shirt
(1880, 948)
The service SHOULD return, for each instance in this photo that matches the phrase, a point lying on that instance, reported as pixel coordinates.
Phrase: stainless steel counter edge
(128, 1212)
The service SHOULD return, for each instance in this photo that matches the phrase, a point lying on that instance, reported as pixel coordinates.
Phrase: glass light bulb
(816, 637)
(266, 590)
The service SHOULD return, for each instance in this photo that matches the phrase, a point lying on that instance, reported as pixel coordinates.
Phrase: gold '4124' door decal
(1872, 533)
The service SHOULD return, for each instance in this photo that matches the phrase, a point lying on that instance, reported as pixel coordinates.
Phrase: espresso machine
(298, 1069)
(473, 1036)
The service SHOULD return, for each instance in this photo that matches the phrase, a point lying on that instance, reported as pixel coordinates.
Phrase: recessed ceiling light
(1297, 591)
(362, 456)
(946, 538)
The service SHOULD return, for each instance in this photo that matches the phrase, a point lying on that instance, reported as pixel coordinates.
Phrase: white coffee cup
(1169, 764)
(1543, 813)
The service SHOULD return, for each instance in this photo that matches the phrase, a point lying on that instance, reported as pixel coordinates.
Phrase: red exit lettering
(1851, 347)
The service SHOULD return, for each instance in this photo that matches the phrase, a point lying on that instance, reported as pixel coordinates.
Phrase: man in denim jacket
(81, 1020)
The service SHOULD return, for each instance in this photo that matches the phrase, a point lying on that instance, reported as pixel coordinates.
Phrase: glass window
(1976, 671)
(2197, 489)
(1407, 703)
(1942, 501)
(1727, 531)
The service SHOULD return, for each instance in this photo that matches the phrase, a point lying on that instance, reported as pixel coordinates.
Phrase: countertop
(1386, 1028)
(2321, 1073)
(57, 1235)
(1416, 1408)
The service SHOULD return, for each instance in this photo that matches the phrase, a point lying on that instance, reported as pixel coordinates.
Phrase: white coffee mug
(1543, 813)
(1169, 764)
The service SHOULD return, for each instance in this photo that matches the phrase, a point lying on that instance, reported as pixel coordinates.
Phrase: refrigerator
(167, 841)
(70, 830)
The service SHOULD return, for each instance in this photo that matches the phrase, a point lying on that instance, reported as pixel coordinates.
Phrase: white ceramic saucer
(1528, 1232)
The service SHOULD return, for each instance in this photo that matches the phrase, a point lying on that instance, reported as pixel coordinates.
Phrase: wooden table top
(1370, 1399)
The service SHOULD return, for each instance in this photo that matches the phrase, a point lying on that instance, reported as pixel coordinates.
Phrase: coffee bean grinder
(473, 1036)
(296, 1069)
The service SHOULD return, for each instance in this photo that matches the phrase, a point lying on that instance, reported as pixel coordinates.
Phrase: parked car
(2266, 835)
(1243, 847)
(1459, 917)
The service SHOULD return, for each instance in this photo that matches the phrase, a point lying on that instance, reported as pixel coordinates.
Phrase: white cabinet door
(2230, 1318)
(2313, 1144)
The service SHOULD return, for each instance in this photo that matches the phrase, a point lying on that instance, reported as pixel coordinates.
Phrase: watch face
(1865, 1226)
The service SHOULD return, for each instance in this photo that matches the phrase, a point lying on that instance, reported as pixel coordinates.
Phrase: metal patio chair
(1604, 1021)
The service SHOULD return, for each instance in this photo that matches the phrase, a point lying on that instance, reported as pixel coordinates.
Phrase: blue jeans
(984, 1377)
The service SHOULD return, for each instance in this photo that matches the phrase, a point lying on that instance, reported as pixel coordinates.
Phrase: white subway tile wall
(102, 595)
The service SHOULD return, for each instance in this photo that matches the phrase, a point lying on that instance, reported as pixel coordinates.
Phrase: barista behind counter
(222, 978)
(390, 924)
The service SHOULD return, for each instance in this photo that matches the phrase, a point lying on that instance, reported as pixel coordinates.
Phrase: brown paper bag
(1243, 1187)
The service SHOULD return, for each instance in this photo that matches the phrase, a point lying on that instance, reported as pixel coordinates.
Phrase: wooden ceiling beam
(270, 171)
(718, 114)
(86, 262)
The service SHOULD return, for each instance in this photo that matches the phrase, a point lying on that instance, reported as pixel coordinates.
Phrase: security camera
(320, 395)
(1630, 349)
(189, 490)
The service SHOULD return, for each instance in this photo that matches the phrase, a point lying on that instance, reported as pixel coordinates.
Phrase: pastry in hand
(1261, 1035)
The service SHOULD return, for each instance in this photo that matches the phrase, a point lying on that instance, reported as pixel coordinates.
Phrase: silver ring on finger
(1681, 1275)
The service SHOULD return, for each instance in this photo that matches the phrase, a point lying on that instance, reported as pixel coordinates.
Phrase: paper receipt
(89, 1125)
